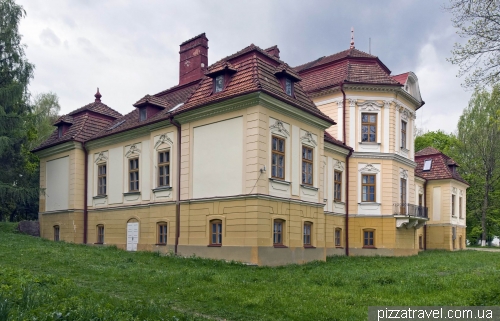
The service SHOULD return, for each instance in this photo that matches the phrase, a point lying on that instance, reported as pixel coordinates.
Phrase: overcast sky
(131, 48)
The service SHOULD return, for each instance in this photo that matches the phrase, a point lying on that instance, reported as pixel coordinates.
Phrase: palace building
(250, 159)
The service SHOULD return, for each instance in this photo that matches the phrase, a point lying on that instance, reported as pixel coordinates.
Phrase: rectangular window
(133, 169)
(369, 128)
(427, 165)
(460, 207)
(216, 228)
(403, 134)
(307, 165)
(100, 234)
(368, 188)
(453, 205)
(337, 186)
(143, 113)
(338, 235)
(162, 233)
(101, 180)
(278, 158)
(420, 200)
(59, 131)
(368, 238)
(288, 86)
(307, 233)
(420, 242)
(403, 196)
(219, 83)
(56, 233)
(278, 232)
(164, 168)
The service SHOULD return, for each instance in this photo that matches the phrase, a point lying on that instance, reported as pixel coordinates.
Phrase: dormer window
(219, 83)
(143, 114)
(60, 131)
(427, 165)
(288, 86)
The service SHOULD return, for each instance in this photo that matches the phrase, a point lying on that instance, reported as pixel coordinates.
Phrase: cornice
(334, 148)
(126, 135)
(390, 156)
(257, 196)
(60, 148)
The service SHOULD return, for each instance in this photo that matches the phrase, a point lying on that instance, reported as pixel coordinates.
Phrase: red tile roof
(99, 108)
(348, 66)
(401, 78)
(332, 140)
(440, 168)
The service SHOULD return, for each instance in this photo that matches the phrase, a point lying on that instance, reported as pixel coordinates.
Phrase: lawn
(45, 280)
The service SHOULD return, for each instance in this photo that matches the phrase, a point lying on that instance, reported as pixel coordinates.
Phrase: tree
(479, 149)
(44, 112)
(18, 177)
(437, 139)
(479, 22)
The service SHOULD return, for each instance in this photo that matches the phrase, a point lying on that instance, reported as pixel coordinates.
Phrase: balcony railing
(411, 210)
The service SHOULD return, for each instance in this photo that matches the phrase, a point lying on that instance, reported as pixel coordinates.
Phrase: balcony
(410, 215)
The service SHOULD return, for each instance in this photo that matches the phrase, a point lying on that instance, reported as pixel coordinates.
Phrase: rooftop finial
(352, 38)
(97, 96)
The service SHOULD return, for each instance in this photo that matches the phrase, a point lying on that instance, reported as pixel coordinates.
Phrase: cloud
(49, 38)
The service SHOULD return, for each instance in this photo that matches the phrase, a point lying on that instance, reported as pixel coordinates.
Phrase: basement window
(427, 165)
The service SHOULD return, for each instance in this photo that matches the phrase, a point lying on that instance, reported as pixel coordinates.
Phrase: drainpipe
(347, 173)
(85, 188)
(178, 198)
(425, 205)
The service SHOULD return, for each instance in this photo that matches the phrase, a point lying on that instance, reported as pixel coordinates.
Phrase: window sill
(312, 188)
(98, 243)
(339, 247)
(369, 143)
(132, 193)
(369, 203)
(280, 246)
(162, 188)
(339, 202)
(370, 247)
(214, 245)
(404, 149)
(309, 247)
(278, 180)
(161, 244)
(99, 197)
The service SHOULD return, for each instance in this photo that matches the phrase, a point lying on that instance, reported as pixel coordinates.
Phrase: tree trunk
(483, 216)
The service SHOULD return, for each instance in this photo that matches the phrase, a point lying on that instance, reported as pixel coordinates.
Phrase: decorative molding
(279, 127)
(369, 169)
(133, 150)
(352, 102)
(164, 139)
(338, 165)
(335, 148)
(454, 190)
(101, 158)
(391, 156)
(421, 190)
(308, 139)
(370, 105)
(387, 104)
(403, 173)
(461, 192)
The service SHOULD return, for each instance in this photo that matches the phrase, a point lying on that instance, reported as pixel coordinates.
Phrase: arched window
(216, 232)
(278, 232)
(308, 234)
(338, 237)
(56, 232)
(369, 238)
(100, 234)
(162, 233)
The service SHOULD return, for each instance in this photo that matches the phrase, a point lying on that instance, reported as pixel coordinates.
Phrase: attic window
(219, 83)
(59, 131)
(427, 165)
(288, 86)
(142, 114)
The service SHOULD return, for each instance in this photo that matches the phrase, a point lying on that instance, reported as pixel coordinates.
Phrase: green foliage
(479, 58)
(90, 281)
(437, 139)
(45, 110)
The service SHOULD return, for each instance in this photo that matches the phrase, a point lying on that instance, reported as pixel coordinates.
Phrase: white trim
(385, 124)
(340, 120)
(352, 123)
(369, 207)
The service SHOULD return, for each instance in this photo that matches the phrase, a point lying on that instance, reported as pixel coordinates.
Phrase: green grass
(44, 280)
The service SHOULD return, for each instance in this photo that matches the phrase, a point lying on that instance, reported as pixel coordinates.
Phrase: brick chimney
(193, 59)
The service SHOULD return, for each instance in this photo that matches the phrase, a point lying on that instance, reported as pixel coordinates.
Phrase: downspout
(347, 172)
(425, 205)
(85, 188)
(178, 197)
